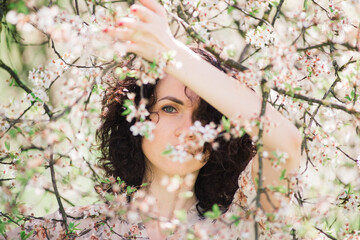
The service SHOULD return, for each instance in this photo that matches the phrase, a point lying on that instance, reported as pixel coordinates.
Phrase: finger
(133, 24)
(141, 50)
(154, 6)
(121, 34)
(142, 12)
(127, 34)
(132, 48)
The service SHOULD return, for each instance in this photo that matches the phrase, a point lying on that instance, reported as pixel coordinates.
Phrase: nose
(184, 128)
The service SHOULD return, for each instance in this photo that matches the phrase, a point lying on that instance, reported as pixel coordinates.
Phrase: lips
(188, 149)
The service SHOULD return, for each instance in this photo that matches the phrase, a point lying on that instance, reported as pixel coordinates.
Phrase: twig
(322, 8)
(56, 192)
(269, 200)
(66, 200)
(18, 119)
(95, 175)
(67, 109)
(228, 62)
(249, 15)
(74, 65)
(277, 12)
(22, 85)
(308, 159)
(347, 155)
(46, 233)
(6, 179)
(337, 79)
(8, 217)
(195, 35)
(77, 7)
(326, 234)
(259, 146)
(252, 54)
(318, 101)
(329, 43)
(58, 76)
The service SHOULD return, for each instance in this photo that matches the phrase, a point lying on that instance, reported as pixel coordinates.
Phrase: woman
(150, 35)
(196, 90)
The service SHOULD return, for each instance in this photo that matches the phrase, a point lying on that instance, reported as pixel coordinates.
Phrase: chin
(176, 168)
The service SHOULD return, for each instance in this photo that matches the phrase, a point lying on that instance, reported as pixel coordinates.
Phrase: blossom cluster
(260, 37)
(308, 57)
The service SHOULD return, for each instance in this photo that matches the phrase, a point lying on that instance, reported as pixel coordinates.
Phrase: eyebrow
(176, 100)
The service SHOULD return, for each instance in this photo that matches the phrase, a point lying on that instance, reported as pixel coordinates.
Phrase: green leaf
(226, 123)
(72, 227)
(352, 94)
(288, 86)
(198, 4)
(14, 131)
(181, 215)
(31, 132)
(305, 4)
(235, 219)
(126, 112)
(7, 145)
(130, 190)
(131, 74)
(282, 176)
(153, 67)
(2, 227)
(122, 76)
(19, 6)
(187, 194)
(230, 9)
(127, 104)
(280, 189)
(254, 12)
(190, 236)
(95, 89)
(25, 236)
(215, 213)
(167, 151)
(348, 98)
(309, 69)
(119, 180)
(105, 180)
(274, 3)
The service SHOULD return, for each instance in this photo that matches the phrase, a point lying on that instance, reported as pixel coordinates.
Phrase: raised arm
(151, 35)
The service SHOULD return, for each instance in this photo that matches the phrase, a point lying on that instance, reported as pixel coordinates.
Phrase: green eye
(169, 109)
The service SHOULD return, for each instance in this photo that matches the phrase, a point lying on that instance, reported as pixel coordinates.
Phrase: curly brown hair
(122, 154)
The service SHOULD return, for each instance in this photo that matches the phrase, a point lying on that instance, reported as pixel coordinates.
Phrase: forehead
(169, 86)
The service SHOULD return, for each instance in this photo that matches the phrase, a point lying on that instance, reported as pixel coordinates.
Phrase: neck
(169, 201)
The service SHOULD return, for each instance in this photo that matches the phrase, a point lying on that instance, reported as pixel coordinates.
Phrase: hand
(150, 35)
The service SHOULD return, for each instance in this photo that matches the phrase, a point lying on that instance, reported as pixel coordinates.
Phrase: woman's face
(172, 113)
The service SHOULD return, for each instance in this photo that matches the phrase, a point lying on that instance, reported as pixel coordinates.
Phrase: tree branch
(318, 101)
(326, 234)
(347, 155)
(56, 192)
(259, 146)
(22, 85)
(277, 12)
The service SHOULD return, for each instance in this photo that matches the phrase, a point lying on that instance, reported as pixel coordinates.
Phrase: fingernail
(133, 10)
(105, 30)
(119, 23)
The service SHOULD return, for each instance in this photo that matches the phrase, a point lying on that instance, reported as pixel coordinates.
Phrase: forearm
(233, 99)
